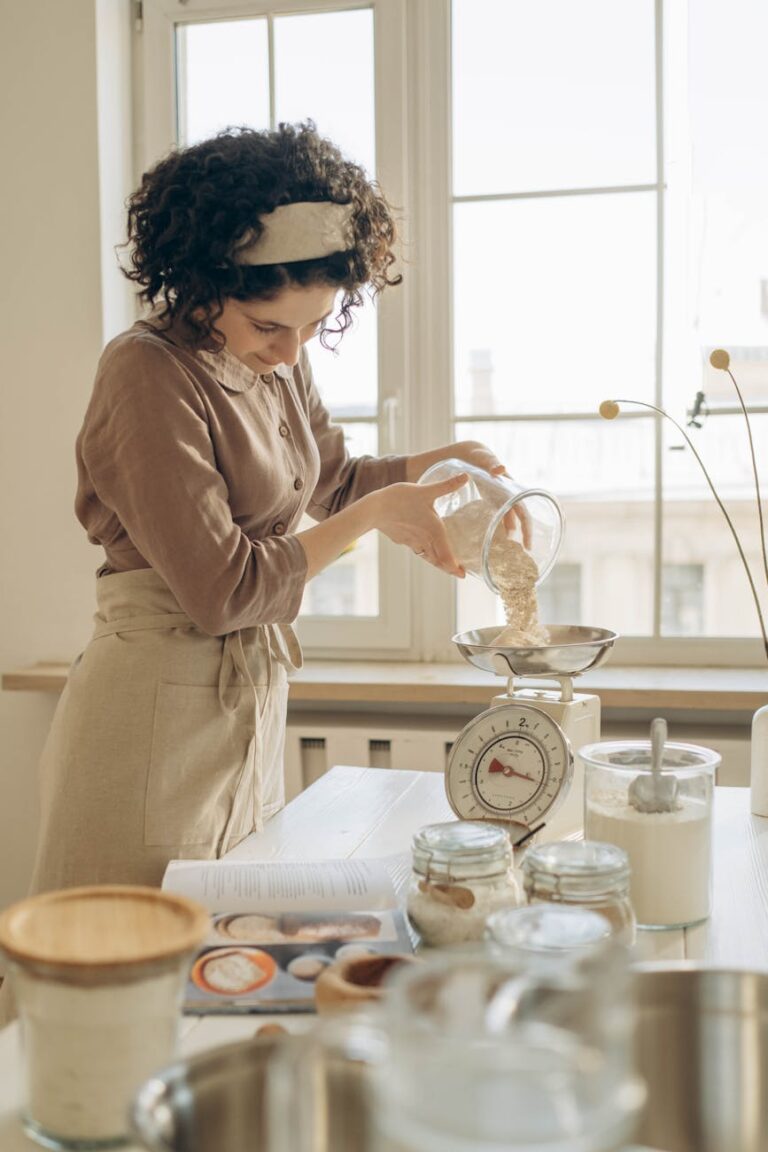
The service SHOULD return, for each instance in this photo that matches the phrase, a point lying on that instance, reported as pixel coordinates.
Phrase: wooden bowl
(355, 981)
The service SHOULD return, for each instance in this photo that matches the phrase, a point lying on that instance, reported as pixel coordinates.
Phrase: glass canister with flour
(462, 872)
(500, 531)
(662, 820)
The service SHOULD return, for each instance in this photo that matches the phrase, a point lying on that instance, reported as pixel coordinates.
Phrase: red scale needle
(497, 766)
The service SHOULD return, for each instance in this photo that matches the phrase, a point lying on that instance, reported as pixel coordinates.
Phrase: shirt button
(298, 483)
(267, 377)
(284, 430)
(279, 528)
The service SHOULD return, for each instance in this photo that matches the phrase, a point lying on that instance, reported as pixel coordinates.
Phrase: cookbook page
(276, 925)
(279, 886)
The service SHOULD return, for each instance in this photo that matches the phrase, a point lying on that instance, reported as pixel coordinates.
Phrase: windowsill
(379, 682)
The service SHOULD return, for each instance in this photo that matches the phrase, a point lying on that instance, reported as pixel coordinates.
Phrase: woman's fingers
(444, 487)
(446, 563)
(518, 519)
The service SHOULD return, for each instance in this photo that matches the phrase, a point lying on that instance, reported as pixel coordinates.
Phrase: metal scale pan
(572, 649)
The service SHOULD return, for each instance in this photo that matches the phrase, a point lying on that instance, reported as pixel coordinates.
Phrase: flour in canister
(669, 853)
(512, 569)
(88, 1049)
(441, 920)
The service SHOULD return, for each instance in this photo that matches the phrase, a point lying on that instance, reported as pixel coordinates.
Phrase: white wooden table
(369, 812)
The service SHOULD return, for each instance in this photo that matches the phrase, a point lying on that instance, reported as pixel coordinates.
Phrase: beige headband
(307, 230)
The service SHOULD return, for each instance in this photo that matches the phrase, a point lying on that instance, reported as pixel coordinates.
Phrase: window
(608, 232)
(580, 224)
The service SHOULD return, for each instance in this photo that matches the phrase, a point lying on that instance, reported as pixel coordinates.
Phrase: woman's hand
(405, 513)
(470, 451)
(479, 456)
(474, 453)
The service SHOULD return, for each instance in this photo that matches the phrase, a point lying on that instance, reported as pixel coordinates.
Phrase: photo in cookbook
(253, 962)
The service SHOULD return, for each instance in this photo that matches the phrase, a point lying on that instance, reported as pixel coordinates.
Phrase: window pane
(552, 94)
(717, 272)
(717, 224)
(560, 595)
(350, 586)
(324, 71)
(695, 531)
(346, 375)
(222, 77)
(554, 303)
(603, 476)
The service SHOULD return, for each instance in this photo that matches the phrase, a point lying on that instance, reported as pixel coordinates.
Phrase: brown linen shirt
(197, 467)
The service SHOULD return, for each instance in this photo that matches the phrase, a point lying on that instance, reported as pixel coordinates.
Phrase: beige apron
(166, 743)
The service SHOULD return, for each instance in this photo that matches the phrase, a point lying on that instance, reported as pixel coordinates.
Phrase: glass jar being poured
(506, 535)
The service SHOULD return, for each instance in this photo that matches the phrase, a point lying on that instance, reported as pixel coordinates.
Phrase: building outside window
(683, 599)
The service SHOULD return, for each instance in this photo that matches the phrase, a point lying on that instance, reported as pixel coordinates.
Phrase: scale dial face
(512, 762)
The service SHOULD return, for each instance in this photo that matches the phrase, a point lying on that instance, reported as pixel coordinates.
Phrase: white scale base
(578, 714)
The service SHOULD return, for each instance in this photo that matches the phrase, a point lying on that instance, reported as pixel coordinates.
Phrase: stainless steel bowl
(702, 1048)
(572, 649)
(219, 1102)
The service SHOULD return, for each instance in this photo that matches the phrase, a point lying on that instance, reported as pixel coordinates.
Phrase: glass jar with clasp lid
(583, 873)
(462, 872)
(551, 934)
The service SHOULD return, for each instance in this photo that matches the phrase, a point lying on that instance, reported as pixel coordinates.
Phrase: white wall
(50, 339)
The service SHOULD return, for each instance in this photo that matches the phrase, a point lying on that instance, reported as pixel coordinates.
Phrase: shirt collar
(230, 372)
(233, 374)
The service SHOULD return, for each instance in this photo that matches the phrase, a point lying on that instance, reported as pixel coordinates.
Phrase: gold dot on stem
(719, 358)
(609, 409)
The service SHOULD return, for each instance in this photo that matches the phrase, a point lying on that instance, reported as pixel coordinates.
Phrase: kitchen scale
(514, 763)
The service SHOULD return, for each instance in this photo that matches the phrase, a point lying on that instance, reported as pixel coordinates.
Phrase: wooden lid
(101, 928)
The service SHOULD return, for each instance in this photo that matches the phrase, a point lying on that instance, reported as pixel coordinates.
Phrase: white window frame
(413, 142)
(432, 207)
(389, 633)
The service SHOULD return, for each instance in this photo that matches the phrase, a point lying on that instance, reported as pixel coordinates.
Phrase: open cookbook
(275, 925)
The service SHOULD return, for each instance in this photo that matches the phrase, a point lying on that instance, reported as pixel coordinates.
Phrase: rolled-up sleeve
(343, 478)
(150, 458)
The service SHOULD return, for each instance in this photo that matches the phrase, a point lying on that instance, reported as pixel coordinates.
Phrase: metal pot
(702, 1048)
(221, 1101)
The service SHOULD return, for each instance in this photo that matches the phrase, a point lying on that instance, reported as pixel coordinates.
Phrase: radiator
(314, 743)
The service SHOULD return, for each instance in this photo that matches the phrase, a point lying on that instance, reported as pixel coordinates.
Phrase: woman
(204, 443)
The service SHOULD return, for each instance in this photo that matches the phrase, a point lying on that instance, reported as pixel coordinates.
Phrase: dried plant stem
(721, 506)
(754, 471)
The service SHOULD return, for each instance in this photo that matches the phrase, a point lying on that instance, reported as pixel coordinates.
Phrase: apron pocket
(198, 755)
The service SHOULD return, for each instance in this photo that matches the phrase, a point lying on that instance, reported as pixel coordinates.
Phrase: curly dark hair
(191, 209)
